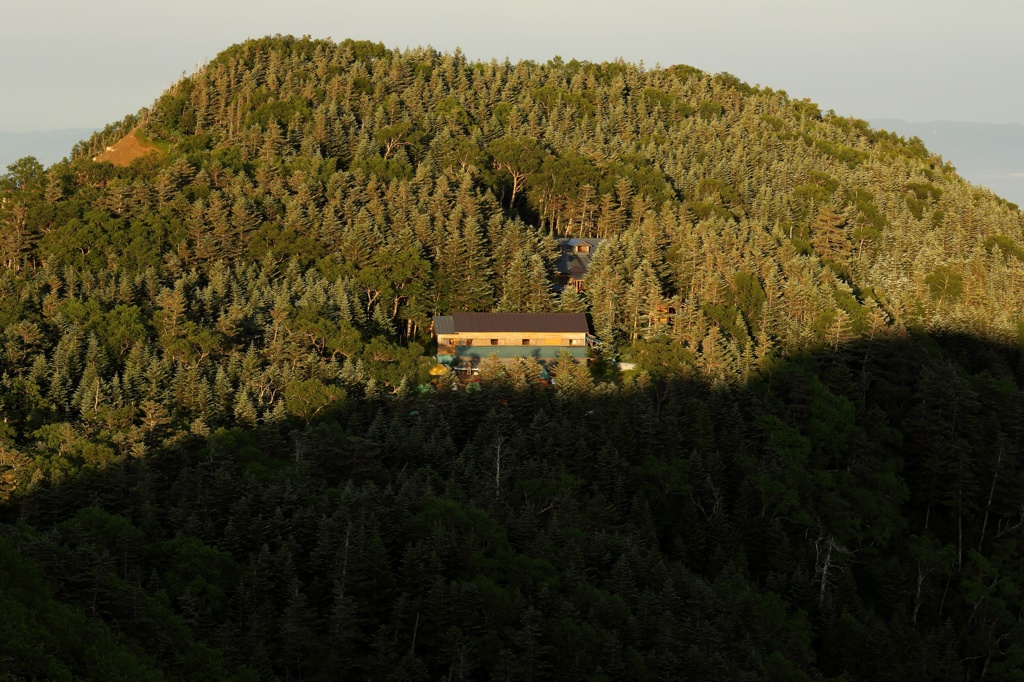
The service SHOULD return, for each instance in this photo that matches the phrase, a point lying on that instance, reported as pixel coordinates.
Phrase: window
(468, 342)
(494, 342)
(526, 342)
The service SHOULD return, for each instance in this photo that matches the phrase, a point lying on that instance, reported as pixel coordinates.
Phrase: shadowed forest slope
(849, 514)
(222, 453)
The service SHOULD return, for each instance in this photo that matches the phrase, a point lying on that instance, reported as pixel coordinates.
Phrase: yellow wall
(509, 339)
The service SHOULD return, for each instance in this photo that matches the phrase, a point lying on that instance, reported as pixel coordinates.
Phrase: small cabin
(463, 339)
(574, 261)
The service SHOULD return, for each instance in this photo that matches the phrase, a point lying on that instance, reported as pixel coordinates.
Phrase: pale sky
(72, 63)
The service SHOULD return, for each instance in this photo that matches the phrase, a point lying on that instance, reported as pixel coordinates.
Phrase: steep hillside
(222, 450)
(838, 220)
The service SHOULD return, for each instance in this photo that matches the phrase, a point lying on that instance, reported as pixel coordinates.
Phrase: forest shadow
(848, 511)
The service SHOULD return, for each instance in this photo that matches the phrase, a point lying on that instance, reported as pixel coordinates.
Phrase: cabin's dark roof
(572, 263)
(459, 323)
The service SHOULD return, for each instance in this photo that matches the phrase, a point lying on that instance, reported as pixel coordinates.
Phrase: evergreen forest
(224, 454)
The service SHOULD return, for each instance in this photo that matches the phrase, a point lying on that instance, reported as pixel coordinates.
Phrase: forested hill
(222, 454)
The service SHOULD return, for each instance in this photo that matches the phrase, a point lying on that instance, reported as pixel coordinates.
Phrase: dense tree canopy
(223, 455)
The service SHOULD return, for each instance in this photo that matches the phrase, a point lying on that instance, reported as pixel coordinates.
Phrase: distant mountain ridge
(48, 146)
(990, 154)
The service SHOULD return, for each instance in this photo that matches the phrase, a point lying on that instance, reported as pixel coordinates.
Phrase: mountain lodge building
(466, 338)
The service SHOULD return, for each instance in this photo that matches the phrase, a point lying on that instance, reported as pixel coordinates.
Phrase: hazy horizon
(913, 61)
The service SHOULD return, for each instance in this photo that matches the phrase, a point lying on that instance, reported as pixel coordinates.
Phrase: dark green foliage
(710, 110)
(43, 638)
(945, 283)
(1006, 246)
(728, 80)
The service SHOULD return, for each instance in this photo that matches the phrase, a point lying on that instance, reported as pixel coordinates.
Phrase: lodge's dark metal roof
(459, 323)
(443, 324)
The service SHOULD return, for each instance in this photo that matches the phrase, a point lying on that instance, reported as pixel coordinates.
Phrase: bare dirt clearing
(126, 150)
